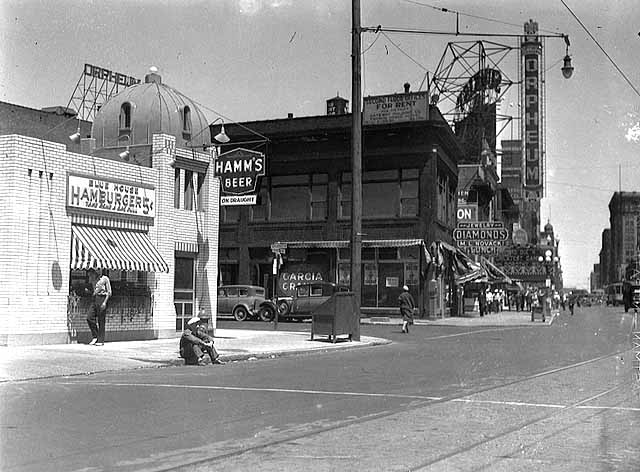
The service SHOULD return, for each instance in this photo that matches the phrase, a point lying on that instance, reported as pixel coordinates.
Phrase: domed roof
(548, 228)
(149, 108)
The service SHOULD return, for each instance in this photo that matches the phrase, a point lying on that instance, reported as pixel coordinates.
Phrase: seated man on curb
(195, 343)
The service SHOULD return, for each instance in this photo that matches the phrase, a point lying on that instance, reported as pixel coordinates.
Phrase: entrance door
(390, 282)
(183, 291)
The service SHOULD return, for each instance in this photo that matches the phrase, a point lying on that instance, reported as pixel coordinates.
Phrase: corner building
(136, 202)
(409, 181)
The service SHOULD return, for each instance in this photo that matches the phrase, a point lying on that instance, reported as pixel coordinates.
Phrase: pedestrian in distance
(100, 289)
(572, 302)
(407, 306)
(195, 343)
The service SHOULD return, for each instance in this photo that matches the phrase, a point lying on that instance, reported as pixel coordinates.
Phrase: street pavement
(53, 360)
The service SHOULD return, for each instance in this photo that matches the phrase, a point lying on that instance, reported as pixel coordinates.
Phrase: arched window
(186, 122)
(125, 116)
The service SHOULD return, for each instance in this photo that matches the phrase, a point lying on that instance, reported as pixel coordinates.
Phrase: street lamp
(549, 261)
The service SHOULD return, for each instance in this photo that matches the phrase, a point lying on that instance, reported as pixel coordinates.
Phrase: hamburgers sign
(239, 170)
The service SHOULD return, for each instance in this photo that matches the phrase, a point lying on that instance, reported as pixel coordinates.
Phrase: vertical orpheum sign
(531, 112)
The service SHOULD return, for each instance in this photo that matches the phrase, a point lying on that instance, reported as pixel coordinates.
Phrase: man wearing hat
(195, 343)
(407, 305)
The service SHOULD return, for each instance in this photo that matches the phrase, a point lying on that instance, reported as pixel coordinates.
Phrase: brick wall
(35, 234)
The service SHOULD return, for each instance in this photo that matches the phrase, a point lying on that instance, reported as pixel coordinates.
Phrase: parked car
(241, 301)
(306, 298)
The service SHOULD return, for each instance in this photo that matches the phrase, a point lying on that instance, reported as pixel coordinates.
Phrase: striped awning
(340, 244)
(109, 248)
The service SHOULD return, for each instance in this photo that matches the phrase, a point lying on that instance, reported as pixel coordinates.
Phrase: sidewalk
(54, 360)
(471, 319)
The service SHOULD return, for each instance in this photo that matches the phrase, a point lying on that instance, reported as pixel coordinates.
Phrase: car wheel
(240, 313)
(283, 308)
(267, 314)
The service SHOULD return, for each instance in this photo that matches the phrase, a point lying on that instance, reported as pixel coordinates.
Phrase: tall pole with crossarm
(356, 153)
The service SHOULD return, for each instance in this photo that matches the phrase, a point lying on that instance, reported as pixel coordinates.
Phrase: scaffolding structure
(95, 86)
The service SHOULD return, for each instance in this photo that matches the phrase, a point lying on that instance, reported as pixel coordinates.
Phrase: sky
(262, 59)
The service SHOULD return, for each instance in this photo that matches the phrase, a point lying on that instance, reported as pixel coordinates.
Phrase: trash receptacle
(337, 316)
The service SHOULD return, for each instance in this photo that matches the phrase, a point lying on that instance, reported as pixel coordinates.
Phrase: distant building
(624, 216)
(605, 258)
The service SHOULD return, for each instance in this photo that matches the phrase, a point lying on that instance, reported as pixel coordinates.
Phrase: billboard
(396, 108)
(114, 196)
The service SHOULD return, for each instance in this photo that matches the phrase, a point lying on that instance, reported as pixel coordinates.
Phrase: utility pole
(356, 153)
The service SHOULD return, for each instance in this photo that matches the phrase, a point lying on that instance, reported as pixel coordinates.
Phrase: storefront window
(230, 214)
(188, 190)
(409, 192)
(385, 194)
(298, 197)
(319, 197)
(260, 211)
(345, 196)
(442, 198)
(176, 189)
(200, 205)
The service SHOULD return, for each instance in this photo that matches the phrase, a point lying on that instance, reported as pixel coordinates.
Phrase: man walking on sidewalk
(97, 316)
(407, 305)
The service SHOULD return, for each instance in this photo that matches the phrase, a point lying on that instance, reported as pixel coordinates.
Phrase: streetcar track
(514, 428)
(416, 404)
(556, 431)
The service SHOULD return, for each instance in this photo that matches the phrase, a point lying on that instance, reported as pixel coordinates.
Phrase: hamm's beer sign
(239, 170)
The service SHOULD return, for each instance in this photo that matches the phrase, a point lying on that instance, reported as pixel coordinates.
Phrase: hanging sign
(239, 170)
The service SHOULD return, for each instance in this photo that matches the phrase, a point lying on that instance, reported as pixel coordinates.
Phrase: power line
(405, 53)
(491, 20)
(602, 49)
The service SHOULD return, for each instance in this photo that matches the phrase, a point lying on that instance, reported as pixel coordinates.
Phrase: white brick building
(162, 263)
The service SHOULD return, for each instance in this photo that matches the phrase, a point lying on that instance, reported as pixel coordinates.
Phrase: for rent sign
(239, 170)
(396, 108)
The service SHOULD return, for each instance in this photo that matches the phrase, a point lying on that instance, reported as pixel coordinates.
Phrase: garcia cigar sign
(239, 170)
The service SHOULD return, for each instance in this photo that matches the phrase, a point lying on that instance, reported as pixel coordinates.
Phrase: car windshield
(260, 292)
(316, 290)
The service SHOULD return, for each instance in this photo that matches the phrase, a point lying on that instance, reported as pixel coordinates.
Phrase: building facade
(409, 186)
(624, 218)
(142, 209)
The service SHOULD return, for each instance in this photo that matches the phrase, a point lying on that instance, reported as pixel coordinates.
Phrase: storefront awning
(495, 273)
(345, 244)
(109, 248)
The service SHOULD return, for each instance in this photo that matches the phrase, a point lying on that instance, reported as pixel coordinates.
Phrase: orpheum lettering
(531, 50)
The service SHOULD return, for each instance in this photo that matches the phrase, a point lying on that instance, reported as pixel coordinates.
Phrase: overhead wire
(477, 17)
(633, 87)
